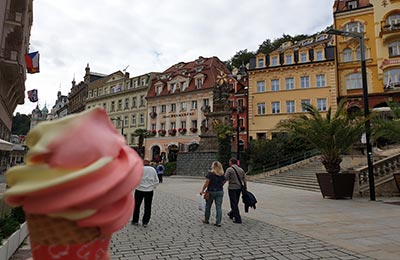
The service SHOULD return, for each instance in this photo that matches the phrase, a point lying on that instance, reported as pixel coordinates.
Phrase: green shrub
(18, 214)
(9, 227)
(170, 168)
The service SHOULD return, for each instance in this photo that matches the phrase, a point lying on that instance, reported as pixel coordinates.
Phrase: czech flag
(32, 62)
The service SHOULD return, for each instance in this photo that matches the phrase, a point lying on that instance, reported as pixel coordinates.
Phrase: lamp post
(237, 131)
(360, 37)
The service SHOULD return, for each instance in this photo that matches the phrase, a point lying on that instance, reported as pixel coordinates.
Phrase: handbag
(248, 198)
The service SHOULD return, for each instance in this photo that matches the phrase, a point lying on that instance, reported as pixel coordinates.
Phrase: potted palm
(332, 135)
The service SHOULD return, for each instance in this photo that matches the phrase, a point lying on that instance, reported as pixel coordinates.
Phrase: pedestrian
(235, 175)
(145, 191)
(160, 171)
(214, 183)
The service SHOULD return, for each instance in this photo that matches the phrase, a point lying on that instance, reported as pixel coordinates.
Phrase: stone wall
(195, 163)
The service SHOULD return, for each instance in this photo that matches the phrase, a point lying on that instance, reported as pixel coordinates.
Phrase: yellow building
(124, 100)
(294, 74)
(377, 20)
(176, 102)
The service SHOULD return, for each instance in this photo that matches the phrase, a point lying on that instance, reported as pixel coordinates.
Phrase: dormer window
(179, 65)
(260, 63)
(322, 37)
(143, 81)
(289, 59)
(183, 85)
(199, 69)
(319, 55)
(173, 87)
(274, 61)
(303, 57)
(307, 42)
(199, 83)
(352, 4)
(200, 60)
(159, 90)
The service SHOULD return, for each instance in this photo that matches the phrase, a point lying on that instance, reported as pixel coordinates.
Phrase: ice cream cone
(61, 239)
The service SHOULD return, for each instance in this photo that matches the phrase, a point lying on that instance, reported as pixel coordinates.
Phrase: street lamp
(360, 37)
(122, 124)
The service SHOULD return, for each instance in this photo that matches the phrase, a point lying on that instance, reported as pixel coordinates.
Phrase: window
(132, 139)
(206, 102)
(274, 61)
(320, 80)
(143, 81)
(261, 108)
(194, 123)
(347, 55)
(183, 124)
(394, 49)
(105, 106)
(126, 120)
(173, 107)
(260, 86)
(275, 107)
(353, 81)
(183, 85)
(358, 53)
(134, 102)
(260, 63)
(289, 83)
(305, 82)
(126, 103)
(394, 21)
(95, 93)
(352, 4)
(133, 120)
(112, 106)
(199, 82)
(290, 106)
(289, 59)
(319, 56)
(173, 87)
(275, 85)
(153, 127)
(173, 125)
(100, 91)
(163, 108)
(162, 126)
(120, 104)
(141, 119)
(183, 106)
(159, 90)
(392, 77)
(194, 104)
(303, 57)
(354, 27)
(90, 93)
(303, 102)
(321, 104)
(154, 109)
(142, 100)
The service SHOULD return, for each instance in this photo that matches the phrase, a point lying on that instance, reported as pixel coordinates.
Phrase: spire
(86, 79)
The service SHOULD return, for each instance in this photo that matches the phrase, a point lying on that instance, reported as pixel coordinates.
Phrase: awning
(5, 146)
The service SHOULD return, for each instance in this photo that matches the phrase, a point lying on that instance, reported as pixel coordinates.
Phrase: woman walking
(214, 183)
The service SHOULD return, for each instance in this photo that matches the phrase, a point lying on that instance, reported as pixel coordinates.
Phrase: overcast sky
(152, 35)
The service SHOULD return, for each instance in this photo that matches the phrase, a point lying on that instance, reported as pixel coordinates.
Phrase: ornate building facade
(281, 82)
(177, 100)
(379, 22)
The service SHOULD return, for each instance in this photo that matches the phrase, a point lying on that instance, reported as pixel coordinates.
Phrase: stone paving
(176, 232)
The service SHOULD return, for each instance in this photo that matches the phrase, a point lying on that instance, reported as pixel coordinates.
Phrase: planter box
(11, 244)
(336, 186)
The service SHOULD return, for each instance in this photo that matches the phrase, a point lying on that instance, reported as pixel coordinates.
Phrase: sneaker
(205, 222)
(217, 225)
(135, 223)
(237, 222)
(230, 215)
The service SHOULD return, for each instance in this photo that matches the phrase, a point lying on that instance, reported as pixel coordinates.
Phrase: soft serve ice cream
(78, 170)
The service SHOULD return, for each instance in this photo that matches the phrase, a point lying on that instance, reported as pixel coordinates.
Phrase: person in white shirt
(145, 191)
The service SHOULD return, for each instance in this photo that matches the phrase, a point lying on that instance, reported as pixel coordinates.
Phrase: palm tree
(332, 135)
(387, 126)
(142, 134)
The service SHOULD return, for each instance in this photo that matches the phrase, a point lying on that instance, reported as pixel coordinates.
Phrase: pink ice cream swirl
(78, 168)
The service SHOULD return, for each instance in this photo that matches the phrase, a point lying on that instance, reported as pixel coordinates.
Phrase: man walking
(160, 171)
(236, 177)
(145, 191)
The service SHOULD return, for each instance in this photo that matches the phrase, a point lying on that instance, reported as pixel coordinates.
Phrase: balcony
(389, 31)
(13, 17)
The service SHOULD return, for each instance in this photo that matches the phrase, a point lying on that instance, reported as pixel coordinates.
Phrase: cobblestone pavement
(176, 232)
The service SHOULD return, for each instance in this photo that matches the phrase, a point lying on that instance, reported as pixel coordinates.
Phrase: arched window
(347, 55)
(353, 81)
(358, 53)
(354, 27)
(393, 19)
(392, 77)
(394, 49)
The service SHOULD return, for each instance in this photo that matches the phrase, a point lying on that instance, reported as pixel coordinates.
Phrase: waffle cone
(58, 238)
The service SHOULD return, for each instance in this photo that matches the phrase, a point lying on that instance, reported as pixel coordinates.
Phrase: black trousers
(160, 176)
(234, 196)
(148, 199)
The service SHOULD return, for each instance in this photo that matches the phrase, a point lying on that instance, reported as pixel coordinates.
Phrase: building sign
(179, 115)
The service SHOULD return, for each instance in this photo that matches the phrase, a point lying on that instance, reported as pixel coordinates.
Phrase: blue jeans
(216, 196)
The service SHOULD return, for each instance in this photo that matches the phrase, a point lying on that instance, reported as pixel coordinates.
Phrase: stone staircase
(300, 176)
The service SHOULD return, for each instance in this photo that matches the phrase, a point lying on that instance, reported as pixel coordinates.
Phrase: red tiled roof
(209, 67)
(341, 5)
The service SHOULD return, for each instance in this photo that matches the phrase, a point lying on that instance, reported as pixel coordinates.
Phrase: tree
(332, 135)
(21, 124)
(387, 125)
(142, 134)
(241, 57)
